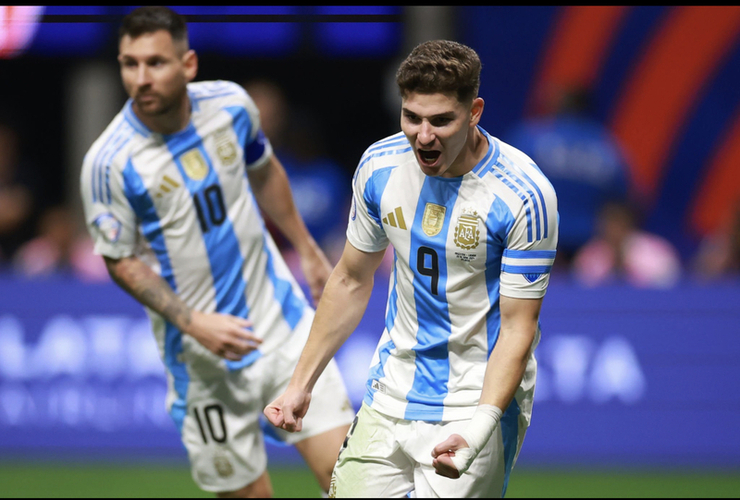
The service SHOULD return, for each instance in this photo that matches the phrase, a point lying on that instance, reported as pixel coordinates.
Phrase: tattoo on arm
(150, 289)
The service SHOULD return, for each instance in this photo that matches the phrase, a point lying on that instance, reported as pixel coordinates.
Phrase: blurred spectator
(60, 247)
(319, 184)
(622, 252)
(17, 188)
(580, 158)
(718, 255)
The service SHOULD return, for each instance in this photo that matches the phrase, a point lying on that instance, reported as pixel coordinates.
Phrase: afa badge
(226, 151)
(222, 465)
(109, 227)
(433, 219)
(225, 148)
(194, 164)
(467, 234)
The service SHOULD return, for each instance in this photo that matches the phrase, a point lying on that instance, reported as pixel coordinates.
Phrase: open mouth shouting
(428, 158)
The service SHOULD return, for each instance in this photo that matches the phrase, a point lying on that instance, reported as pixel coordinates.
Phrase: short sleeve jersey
(183, 204)
(459, 244)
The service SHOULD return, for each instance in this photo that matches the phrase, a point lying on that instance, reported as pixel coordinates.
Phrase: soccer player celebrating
(171, 191)
(474, 226)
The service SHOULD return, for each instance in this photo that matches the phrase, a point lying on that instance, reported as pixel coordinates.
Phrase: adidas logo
(395, 219)
(164, 187)
(377, 386)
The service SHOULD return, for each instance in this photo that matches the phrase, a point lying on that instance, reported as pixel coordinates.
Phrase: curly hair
(441, 66)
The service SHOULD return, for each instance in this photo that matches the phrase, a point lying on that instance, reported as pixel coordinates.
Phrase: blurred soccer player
(171, 191)
(474, 226)
(581, 158)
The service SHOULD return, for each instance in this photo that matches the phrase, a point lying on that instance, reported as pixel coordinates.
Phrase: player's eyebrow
(148, 58)
(446, 114)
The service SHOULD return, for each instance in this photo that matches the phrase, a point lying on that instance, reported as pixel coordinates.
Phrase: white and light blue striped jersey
(459, 244)
(183, 203)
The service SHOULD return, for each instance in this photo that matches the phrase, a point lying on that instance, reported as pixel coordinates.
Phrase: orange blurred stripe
(666, 83)
(8, 29)
(577, 48)
(719, 194)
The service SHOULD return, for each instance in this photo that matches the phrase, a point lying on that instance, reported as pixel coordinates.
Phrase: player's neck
(472, 153)
(170, 122)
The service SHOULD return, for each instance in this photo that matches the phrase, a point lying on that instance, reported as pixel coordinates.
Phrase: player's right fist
(288, 410)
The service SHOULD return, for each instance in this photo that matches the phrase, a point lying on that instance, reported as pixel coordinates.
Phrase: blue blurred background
(639, 358)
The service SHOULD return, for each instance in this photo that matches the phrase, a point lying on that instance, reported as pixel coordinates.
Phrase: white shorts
(386, 457)
(222, 428)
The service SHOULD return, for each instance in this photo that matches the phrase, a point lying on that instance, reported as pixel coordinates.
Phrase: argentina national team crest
(194, 164)
(226, 151)
(433, 219)
(225, 148)
(222, 465)
(467, 234)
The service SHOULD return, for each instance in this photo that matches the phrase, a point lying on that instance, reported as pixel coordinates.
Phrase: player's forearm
(505, 369)
(273, 194)
(508, 360)
(339, 312)
(147, 287)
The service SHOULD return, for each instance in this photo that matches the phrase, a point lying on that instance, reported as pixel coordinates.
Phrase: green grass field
(18, 480)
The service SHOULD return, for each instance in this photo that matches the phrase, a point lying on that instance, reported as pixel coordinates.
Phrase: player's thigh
(324, 425)
(320, 452)
(371, 464)
(260, 488)
(221, 432)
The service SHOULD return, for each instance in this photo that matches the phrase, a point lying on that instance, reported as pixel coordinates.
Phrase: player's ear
(476, 110)
(190, 63)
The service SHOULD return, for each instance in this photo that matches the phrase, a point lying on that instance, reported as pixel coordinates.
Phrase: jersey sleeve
(365, 228)
(109, 217)
(531, 246)
(257, 147)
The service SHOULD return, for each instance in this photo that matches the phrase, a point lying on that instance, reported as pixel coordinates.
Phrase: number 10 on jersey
(210, 207)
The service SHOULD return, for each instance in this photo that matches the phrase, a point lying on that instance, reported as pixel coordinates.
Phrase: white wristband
(476, 434)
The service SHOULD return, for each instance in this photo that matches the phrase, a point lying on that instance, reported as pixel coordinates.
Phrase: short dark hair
(151, 18)
(441, 66)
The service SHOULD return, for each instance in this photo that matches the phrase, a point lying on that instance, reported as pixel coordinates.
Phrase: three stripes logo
(395, 219)
(164, 186)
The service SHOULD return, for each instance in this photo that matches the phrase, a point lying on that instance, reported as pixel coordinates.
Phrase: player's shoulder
(389, 151)
(110, 146)
(214, 88)
(393, 144)
(517, 163)
(515, 178)
(221, 93)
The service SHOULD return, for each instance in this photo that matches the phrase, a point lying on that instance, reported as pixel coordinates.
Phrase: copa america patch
(108, 226)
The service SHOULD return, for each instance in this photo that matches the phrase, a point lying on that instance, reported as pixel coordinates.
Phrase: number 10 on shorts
(215, 425)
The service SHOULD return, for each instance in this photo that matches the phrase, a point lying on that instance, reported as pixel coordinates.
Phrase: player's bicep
(358, 265)
(519, 314)
(257, 152)
(526, 273)
(530, 250)
(108, 215)
(257, 146)
(364, 228)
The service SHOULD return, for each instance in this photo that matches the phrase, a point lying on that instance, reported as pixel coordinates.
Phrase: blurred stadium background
(639, 387)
